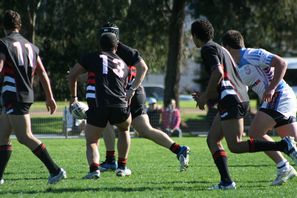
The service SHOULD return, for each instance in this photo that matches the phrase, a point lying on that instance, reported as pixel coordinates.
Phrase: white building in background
(188, 74)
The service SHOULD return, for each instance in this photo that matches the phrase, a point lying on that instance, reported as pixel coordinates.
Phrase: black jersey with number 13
(107, 79)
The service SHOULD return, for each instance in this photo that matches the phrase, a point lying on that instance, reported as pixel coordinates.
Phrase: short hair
(234, 39)
(108, 42)
(12, 20)
(202, 29)
(110, 28)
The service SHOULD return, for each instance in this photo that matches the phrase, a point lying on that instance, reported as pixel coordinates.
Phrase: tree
(175, 52)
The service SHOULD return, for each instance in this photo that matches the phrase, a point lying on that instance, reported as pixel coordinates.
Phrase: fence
(62, 123)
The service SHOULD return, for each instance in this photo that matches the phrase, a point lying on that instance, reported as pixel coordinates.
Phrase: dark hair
(110, 27)
(12, 20)
(202, 29)
(108, 42)
(234, 39)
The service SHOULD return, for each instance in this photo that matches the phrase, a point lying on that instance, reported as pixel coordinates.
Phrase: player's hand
(268, 94)
(72, 101)
(51, 105)
(200, 98)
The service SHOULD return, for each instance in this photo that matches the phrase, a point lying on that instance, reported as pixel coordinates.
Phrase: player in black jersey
(226, 88)
(19, 60)
(140, 120)
(107, 101)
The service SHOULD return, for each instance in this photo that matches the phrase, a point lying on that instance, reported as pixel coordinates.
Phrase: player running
(227, 89)
(19, 60)
(140, 120)
(263, 72)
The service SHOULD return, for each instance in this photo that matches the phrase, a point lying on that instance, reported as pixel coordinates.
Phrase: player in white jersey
(263, 72)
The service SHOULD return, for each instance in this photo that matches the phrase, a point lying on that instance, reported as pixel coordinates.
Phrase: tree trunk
(174, 59)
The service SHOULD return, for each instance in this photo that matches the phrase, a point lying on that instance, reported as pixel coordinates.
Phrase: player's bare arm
(72, 79)
(280, 67)
(43, 77)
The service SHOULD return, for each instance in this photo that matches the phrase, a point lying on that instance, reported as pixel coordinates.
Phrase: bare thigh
(124, 126)
(261, 123)
(233, 131)
(288, 130)
(21, 125)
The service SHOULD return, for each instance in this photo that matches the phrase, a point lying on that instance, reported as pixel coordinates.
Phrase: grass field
(155, 173)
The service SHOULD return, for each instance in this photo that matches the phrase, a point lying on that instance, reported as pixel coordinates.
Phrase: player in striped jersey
(19, 60)
(227, 89)
(263, 72)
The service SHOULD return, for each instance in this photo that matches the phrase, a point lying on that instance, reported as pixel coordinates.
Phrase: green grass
(155, 173)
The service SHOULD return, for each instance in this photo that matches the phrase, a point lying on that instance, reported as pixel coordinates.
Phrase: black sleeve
(210, 58)
(129, 55)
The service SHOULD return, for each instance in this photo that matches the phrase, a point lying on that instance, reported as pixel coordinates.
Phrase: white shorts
(283, 101)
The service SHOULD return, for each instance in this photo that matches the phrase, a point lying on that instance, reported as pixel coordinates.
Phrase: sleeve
(84, 61)
(129, 55)
(210, 58)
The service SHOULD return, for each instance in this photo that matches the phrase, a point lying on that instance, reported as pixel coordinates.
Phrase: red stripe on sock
(219, 153)
(174, 147)
(6, 148)
(39, 148)
(122, 161)
(251, 142)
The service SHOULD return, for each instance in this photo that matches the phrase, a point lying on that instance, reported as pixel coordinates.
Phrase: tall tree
(174, 59)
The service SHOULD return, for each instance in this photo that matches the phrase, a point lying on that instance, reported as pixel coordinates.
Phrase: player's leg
(109, 140)
(22, 129)
(259, 126)
(214, 137)
(123, 147)
(143, 127)
(5, 144)
(92, 135)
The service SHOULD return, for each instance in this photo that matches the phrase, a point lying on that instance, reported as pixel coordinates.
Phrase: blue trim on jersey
(255, 55)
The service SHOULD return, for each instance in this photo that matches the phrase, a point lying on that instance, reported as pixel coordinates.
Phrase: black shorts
(100, 116)
(231, 108)
(279, 118)
(137, 106)
(17, 108)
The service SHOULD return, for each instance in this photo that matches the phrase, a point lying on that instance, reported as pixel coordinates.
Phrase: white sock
(284, 164)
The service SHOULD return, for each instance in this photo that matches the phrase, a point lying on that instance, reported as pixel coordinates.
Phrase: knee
(23, 139)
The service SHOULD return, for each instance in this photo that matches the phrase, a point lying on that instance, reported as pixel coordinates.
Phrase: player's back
(21, 59)
(107, 79)
(231, 83)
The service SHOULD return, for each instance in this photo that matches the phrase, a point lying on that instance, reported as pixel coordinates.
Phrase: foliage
(66, 29)
(266, 24)
(155, 173)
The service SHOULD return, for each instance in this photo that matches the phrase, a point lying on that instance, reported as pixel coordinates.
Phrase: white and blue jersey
(256, 72)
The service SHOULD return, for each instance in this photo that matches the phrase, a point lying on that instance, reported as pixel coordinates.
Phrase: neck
(235, 53)
(10, 31)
